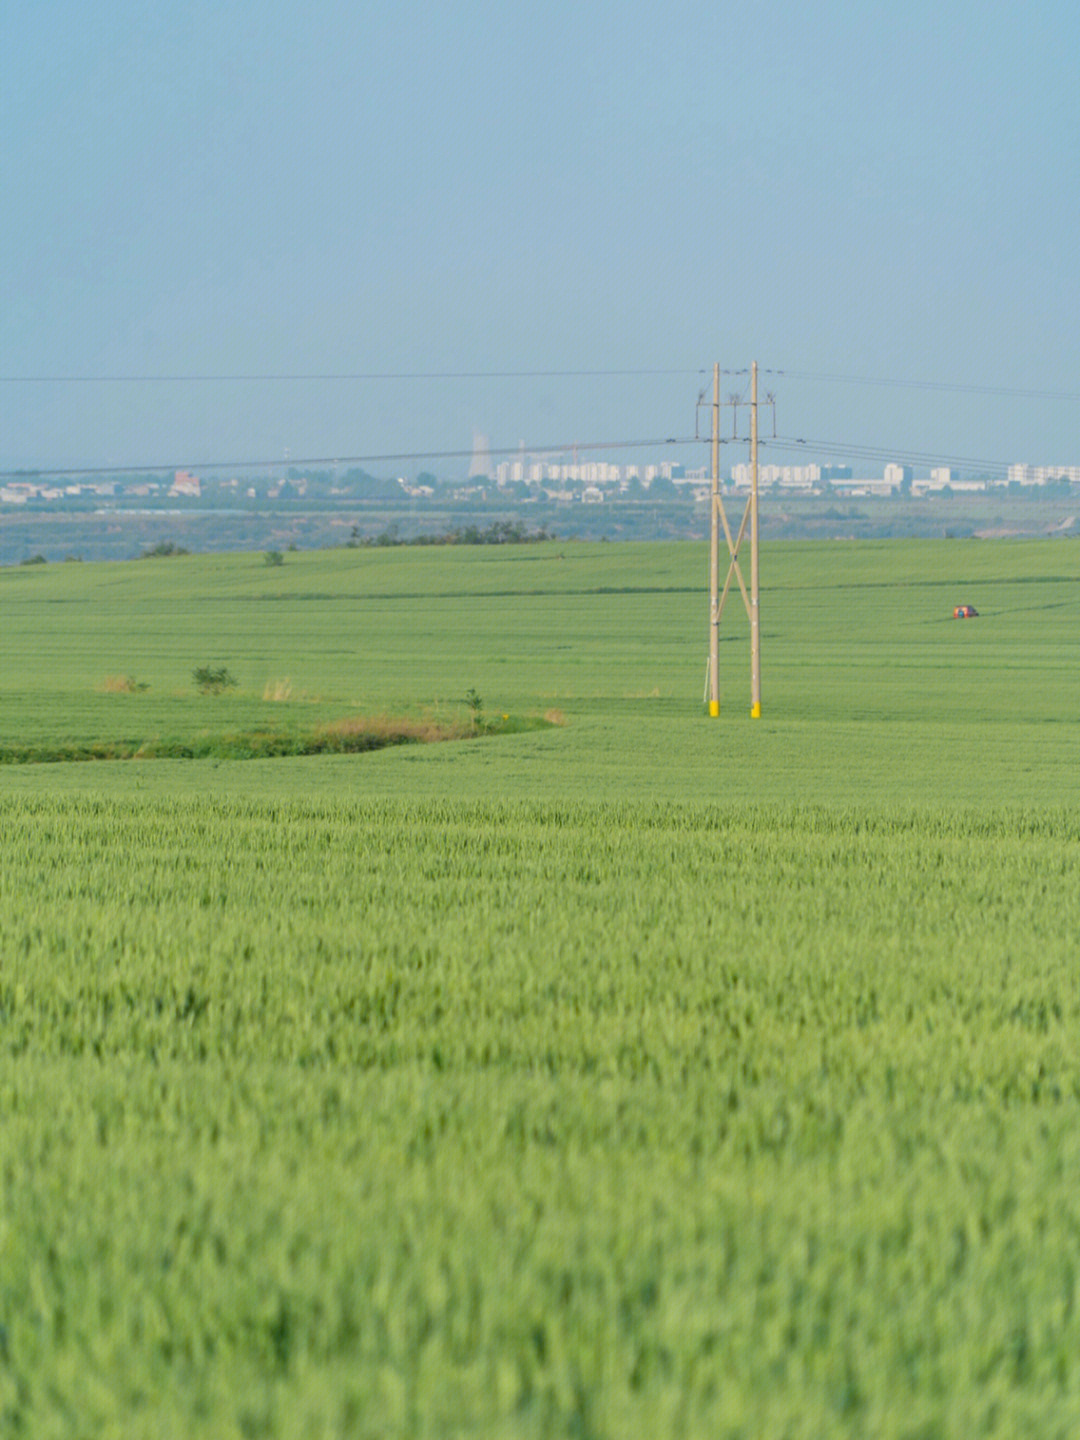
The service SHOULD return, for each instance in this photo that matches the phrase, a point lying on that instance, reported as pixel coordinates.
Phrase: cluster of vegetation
(213, 679)
(161, 549)
(499, 532)
(353, 735)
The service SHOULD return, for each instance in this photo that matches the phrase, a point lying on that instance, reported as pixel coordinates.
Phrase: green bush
(163, 547)
(213, 679)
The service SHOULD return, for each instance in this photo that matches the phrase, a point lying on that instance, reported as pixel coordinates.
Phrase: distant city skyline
(551, 476)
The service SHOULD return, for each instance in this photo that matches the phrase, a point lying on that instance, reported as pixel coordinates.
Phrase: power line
(856, 451)
(358, 376)
(955, 387)
(293, 463)
(952, 386)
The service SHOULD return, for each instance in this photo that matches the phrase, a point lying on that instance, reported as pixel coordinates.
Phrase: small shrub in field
(33, 560)
(274, 557)
(212, 679)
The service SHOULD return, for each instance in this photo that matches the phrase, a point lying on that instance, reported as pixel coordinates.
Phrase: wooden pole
(755, 612)
(714, 554)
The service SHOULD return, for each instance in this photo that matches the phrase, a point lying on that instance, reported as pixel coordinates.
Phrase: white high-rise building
(1040, 474)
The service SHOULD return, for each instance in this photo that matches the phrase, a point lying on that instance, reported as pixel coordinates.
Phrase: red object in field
(964, 612)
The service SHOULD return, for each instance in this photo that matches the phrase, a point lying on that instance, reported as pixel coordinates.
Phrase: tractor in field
(965, 612)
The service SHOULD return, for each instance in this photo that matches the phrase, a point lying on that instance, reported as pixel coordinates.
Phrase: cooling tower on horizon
(480, 464)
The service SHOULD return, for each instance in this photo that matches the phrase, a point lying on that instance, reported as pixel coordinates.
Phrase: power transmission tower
(718, 521)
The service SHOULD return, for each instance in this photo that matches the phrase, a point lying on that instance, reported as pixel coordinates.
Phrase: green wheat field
(604, 1071)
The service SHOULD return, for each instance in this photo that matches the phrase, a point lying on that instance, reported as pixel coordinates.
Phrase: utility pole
(714, 554)
(718, 520)
(755, 610)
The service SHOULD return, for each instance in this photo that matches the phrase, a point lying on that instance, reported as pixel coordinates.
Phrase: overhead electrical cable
(338, 460)
(360, 375)
(854, 450)
(952, 386)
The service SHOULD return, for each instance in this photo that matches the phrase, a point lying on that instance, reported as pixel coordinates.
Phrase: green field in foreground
(644, 1075)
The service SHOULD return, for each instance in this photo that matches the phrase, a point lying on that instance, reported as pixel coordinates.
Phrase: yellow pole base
(714, 708)
(755, 710)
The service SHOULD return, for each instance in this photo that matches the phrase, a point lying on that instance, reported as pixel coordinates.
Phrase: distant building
(185, 484)
(683, 477)
(1042, 474)
(480, 464)
(869, 486)
(787, 477)
(17, 492)
(509, 472)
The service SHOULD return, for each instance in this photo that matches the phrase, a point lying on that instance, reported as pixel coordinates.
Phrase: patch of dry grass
(122, 685)
(393, 729)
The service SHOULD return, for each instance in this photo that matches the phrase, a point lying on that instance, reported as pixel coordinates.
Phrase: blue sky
(833, 189)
